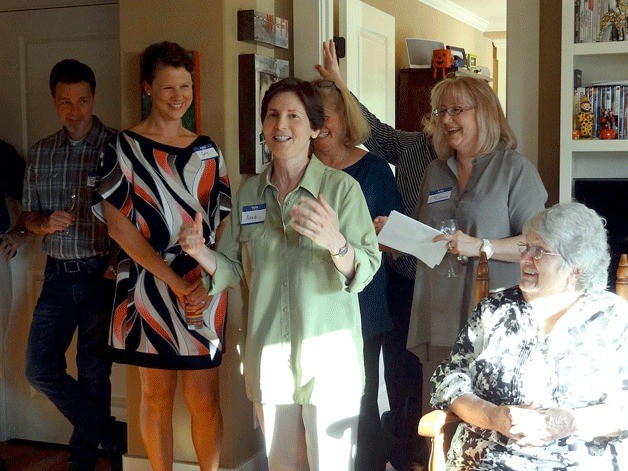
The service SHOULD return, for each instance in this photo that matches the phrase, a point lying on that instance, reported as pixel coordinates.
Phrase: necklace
(341, 161)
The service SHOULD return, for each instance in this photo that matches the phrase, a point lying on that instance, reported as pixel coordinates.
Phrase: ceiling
(484, 15)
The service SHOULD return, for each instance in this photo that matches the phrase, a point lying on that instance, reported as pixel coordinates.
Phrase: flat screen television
(609, 198)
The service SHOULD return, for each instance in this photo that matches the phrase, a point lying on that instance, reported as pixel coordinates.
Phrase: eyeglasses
(533, 251)
(452, 111)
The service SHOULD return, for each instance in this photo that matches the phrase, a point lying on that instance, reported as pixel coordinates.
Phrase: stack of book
(609, 95)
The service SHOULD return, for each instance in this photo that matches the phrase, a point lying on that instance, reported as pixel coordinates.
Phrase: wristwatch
(342, 251)
(487, 248)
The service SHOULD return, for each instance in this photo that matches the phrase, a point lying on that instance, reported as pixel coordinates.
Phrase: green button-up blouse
(303, 341)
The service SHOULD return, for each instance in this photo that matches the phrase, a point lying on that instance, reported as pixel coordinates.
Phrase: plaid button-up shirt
(58, 168)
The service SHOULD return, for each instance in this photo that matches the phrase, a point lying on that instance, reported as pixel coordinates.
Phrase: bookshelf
(588, 158)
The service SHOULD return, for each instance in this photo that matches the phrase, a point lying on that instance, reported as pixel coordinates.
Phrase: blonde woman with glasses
(487, 188)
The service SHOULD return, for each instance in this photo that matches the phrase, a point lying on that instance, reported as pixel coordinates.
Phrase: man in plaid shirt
(59, 186)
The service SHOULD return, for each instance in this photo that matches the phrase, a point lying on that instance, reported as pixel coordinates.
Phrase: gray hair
(578, 234)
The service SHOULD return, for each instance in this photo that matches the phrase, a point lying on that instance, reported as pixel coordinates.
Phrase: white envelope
(412, 237)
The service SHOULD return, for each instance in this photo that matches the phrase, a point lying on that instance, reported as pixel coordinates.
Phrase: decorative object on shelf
(585, 119)
(192, 117)
(607, 125)
(460, 58)
(441, 61)
(616, 18)
(255, 74)
(258, 27)
(472, 61)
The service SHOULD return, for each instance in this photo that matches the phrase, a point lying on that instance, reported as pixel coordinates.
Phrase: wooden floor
(22, 455)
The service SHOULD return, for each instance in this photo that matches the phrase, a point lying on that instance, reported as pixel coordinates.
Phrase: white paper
(413, 237)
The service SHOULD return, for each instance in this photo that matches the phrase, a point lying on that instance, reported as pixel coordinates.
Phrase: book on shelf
(613, 98)
(588, 15)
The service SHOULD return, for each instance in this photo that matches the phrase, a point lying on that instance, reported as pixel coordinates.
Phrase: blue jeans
(74, 296)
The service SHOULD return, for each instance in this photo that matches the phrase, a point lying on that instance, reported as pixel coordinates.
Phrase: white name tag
(439, 195)
(253, 214)
(91, 182)
(206, 152)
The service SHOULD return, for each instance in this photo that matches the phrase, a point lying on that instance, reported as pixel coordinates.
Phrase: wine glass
(69, 204)
(449, 226)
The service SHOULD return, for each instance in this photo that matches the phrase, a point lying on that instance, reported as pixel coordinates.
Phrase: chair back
(481, 279)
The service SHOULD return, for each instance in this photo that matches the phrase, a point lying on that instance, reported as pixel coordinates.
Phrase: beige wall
(416, 20)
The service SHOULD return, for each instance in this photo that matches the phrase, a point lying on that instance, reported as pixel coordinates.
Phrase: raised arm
(384, 140)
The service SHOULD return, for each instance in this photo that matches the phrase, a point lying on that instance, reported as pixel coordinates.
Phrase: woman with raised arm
(301, 239)
(335, 146)
(155, 177)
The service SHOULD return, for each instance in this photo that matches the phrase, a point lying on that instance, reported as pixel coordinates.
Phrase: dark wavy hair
(71, 71)
(307, 95)
(163, 54)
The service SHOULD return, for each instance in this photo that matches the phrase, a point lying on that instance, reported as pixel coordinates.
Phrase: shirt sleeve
(355, 224)
(389, 142)
(229, 268)
(30, 197)
(114, 185)
(452, 378)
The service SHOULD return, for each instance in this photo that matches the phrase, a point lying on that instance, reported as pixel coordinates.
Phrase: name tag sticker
(253, 214)
(206, 152)
(91, 181)
(439, 195)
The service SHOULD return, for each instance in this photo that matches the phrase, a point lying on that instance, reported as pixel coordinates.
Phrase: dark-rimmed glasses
(533, 251)
(451, 111)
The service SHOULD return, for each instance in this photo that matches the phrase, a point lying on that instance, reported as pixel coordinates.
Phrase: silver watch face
(343, 251)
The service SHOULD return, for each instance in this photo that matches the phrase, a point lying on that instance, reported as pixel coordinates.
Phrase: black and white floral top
(504, 356)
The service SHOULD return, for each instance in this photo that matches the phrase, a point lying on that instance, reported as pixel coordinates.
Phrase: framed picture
(262, 28)
(192, 117)
(457, 52)
(255, 74)
(472, 60)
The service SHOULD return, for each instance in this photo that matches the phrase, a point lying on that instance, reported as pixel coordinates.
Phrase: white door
(369, 66)
(32, 42)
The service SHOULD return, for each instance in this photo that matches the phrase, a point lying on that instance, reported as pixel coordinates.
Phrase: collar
(93, 136)
(311, 181)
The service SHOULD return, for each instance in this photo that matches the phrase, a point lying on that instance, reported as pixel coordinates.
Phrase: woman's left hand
(540, 427)
(459, 243)
(318, 221)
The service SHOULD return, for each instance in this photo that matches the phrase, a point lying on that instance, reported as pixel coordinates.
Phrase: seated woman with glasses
(345, 127)
(539, 375)
(487, 188)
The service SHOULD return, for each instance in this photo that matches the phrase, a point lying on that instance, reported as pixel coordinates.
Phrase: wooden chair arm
(432, 423)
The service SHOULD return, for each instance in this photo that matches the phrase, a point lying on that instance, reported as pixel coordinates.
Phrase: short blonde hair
(339, 99)
(476, 92)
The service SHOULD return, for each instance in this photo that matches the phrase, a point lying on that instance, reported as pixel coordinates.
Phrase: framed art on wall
(192, 117)
(255, 74)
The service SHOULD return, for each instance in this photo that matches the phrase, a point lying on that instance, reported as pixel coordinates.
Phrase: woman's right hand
(191, 236)
(379, 223)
